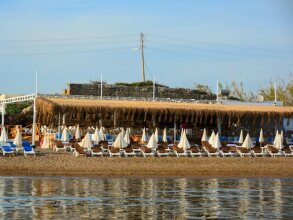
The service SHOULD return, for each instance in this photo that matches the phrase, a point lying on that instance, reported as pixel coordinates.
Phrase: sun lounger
(287, 151)
(96, 151)
(259, 151)
(179, 151)
(274, 151)
(128, 152)
(114, 152)
(242, 152)
(209, 150)
(6, 150)
(78, 150)
(196, 151)
(28, 150)
(147, 152)
(58, 145)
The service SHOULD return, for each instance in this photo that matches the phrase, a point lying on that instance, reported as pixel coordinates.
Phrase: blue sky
(186, 42)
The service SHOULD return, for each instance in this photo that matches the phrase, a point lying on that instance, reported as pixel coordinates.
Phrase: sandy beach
(48, 163)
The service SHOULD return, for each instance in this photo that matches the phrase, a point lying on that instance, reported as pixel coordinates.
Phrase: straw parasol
(212, 137)
(261, 137)
(77, 132)
(96, 136)
(87, 142)
(204, 135)
(152, 144)
(247, 142)
(4, 136)
(157, 135)
(216, 142)
(184, 143)
(65, 135)
(165, 135)
(241, 137)
(143, 137)
(127, 137)
(18, 138)
(119, 142)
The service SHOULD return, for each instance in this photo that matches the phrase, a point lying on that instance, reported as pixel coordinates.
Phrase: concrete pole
(154, 88)
(3, 114)
(115, 119)
(219, 124)
(175, 129)
(63, 120)
(275, 90)
(35, 112)
(59, 121)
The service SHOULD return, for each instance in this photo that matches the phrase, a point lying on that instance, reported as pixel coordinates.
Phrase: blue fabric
(7, 148)
(27, 148)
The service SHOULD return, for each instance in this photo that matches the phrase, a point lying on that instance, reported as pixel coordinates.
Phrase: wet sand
(48, 163)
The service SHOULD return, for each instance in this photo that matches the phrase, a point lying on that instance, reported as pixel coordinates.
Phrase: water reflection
(139, 198)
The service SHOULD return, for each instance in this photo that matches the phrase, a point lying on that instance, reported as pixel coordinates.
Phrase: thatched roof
(48, 108)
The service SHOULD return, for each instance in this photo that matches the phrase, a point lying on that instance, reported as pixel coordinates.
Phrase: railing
(18, 99)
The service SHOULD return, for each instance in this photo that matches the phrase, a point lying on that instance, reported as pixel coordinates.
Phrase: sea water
(145, 198)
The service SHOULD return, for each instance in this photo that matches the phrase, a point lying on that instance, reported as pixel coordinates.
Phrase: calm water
(149, 198)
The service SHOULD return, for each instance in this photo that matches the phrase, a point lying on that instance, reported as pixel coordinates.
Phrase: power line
(67, 52)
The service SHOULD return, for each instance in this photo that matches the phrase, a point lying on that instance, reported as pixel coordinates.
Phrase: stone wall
(94, 89)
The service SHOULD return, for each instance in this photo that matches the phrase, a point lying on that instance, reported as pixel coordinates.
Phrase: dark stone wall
(94, 89)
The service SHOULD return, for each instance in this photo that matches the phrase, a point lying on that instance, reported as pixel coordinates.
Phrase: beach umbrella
(181, 134)
(96, 136)
(101, 134)
(261, 138)
(4, 136)
(216, 142)
(184, 143)
(122, 132)
(247, 142)
(46, 141)
(276, 137)
(119, 142)
(279, 145)
(204, 135)
(143, 137)
(165, 135)
(282, 136)
(152, 144)
(65, 135)
(212, 137)
(127, 137)
(18, 138)
(157, 135)
(241, 137)
(87, 142)
(77, 132)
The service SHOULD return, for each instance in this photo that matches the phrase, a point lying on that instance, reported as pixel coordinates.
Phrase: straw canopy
(247, 142)
(18, 138)
(241, 137)
(152, 144)
(204, 135)
(184, 143)
(261, 137)
(4, 136)
(212, 137)
(87, 142)
(216, 142)
(92, 110)
(165, 135)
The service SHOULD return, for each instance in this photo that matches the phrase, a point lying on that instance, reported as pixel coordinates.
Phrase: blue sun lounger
(6, 149)
(28, 150)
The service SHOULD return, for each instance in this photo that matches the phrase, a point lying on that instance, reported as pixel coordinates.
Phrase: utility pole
(142, 55)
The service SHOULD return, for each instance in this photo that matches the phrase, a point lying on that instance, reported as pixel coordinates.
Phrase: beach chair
(209, 150)
(78, 150)
(114, 152)
(196, 151)
(147, 151)
(59, 146)
(242, 152)
(28, 150)
(259, 151)
(287, 151)
(273, 152)
(96, 151)
(136, 148)
(128, 152)
(179, 151)
(6, 150)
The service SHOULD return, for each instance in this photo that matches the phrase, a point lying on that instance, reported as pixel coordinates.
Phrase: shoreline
(48, 163)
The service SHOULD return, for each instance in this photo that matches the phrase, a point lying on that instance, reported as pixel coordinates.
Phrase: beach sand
(48, 163)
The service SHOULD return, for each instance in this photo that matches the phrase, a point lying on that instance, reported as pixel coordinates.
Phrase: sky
(186, 42)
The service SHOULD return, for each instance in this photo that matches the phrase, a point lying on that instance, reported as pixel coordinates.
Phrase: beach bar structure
(138, 113)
